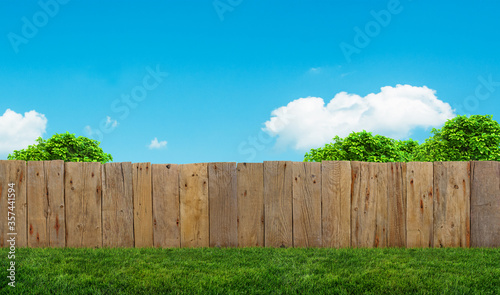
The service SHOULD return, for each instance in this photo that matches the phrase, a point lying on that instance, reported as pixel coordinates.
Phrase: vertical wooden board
(452, 204)
(250, 189)
(369, 205)
(380, 183)
(166, 218)
(419, 204)
(336, 204)
(278, 177)
(396, 205)
(143, 205)
(223, 204)
(83, 192)
(38, 205)
(56, 224)
(13, 172)
(117, 205)
(307, 204)
(485, 204)
(194, 208)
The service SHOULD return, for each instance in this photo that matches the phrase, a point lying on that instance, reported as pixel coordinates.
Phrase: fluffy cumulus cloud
(18, 131)
(308, 123)
(155, 144)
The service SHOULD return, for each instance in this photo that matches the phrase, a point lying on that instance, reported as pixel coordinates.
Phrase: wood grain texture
(143, 205)
(485, 204)
(452, 204)
(117, 205)
(419, 204)
(194, 206)
(223, 204)
(369, 219)
(250, 190)
(166, 211)
(336, 204)
(46, 204)
(396, 225)
(13, 172)
(83, 193)
(278, 177)
(307, 204)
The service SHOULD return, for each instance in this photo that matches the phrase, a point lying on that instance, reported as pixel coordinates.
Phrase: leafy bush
(474, 138)
(363, 146)
(65, 147)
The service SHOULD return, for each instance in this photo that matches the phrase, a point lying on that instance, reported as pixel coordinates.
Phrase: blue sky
(239, 80)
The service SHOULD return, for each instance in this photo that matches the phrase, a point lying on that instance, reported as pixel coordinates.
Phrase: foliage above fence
(273, 204)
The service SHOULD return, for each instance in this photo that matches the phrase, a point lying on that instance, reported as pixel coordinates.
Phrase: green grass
(253, 271)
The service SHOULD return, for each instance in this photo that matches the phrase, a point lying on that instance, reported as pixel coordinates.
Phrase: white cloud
(155, 144)
(307, 123)
(18, 131)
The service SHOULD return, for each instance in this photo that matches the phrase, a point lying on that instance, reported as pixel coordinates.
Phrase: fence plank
(369, 205)
(117, 205)
(194, 205)
(166, 212)
(250, 190)
(223, 204)
(143, 205)
(45, 195)
(83, 186)
(485, 204)
(336, 200)
(419, 204)
(452, 204)
(307, 204)
(278, 203)
(13, 172)
(396, 205)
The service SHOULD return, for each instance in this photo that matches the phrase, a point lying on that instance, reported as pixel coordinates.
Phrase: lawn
(253, 271)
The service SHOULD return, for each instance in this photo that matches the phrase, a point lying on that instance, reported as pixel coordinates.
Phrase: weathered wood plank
(452, 204)
(420, 204)
(485, 204)
(396, 226)
(194, 208)
(117, 205)
(83, 192)
(369, 205)
(166, 211)
(223, 204)
(143, 205)
(278, 177)
(307, 204)
(380, 182)
(336, 200)
(250, 190)
(46, 212)
(13, 172)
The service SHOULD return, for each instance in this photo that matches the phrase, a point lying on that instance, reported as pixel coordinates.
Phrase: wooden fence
(273, 204)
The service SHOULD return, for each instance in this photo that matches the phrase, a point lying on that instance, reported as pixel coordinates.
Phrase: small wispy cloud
(314, 70)
(155, 144)
(110, 122)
